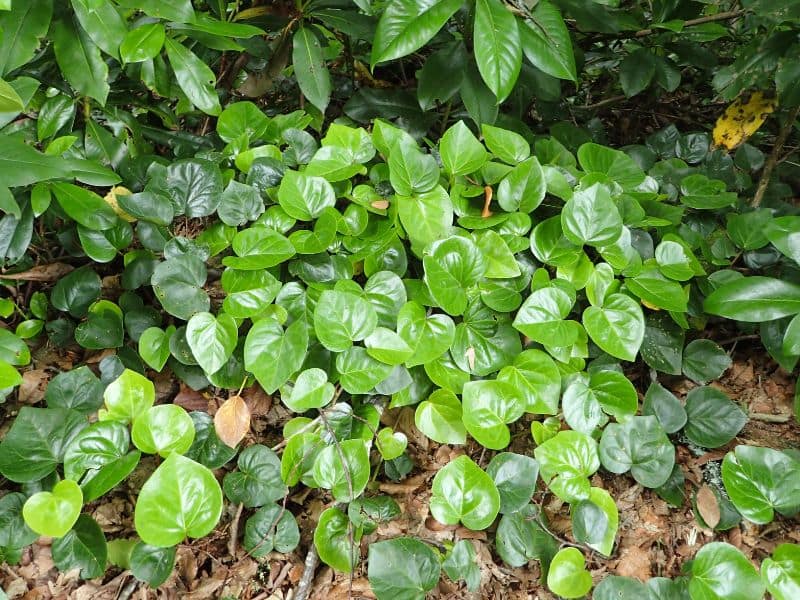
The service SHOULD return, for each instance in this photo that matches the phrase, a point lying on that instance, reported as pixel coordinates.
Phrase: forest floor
(654, 538)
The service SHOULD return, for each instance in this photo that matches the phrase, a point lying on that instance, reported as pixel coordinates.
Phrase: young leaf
(617, 327)
(163, 430)
(440, 418)
(181, 498)
(344, 469)
(274, 355)
(567, 576)
(461, 151)
(142, 43)
(334, 538)
(211, 339)
(54, 513)
(566, 461)
(488, 406)
(463, 492)
(127, 397)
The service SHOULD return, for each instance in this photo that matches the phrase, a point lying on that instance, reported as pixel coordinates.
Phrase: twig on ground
(601, 103)
(235, 531)
(767, 418)
(739, 338)
(126, 592)
(772, 161)
(312, 560)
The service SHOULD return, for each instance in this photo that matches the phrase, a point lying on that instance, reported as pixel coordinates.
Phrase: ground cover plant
(345, 216)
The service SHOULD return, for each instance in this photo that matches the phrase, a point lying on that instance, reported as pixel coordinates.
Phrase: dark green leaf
(402, 569)
(83, 547)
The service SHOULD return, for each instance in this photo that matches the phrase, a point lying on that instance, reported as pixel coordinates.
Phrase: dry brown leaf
(258, 401)
(232, 421)
(190, 399)
(707, 506)
(33, 385)
(51, 272)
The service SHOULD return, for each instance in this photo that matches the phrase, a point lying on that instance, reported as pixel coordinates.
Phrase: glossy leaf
(192, 494)
(54, 513)
(463, 492)
(781, 572)
(713, 419)
(567, 576)
(498, 51)
(83, 547)
(760, 481)
(163, 430)
(720, 571)
(407, 25)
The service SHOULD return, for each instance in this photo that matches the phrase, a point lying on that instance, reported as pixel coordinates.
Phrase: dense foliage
(356, 240)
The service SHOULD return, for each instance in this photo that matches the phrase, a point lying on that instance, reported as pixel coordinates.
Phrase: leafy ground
(654, 539)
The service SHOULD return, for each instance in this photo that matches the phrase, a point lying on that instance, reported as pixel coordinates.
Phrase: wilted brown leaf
(232, 420)
(191, 399)
(33, 385)
(707, 506)
(51, 272)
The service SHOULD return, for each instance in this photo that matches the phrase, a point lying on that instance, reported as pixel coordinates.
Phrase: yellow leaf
(111, 199)
(743, 118)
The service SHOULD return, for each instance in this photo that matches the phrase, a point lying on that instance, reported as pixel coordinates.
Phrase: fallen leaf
(51, 272)
(707, 506)
(191, 399)
(34, 382)
(258, 401)
(232, 420)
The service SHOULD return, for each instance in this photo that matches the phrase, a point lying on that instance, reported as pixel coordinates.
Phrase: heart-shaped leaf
(211, 339)
(258, 479)
(567, 576)
(463, 492)
(181, 498)
(163, 429)
(54, 513)
(127, 397)
(721, 572)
